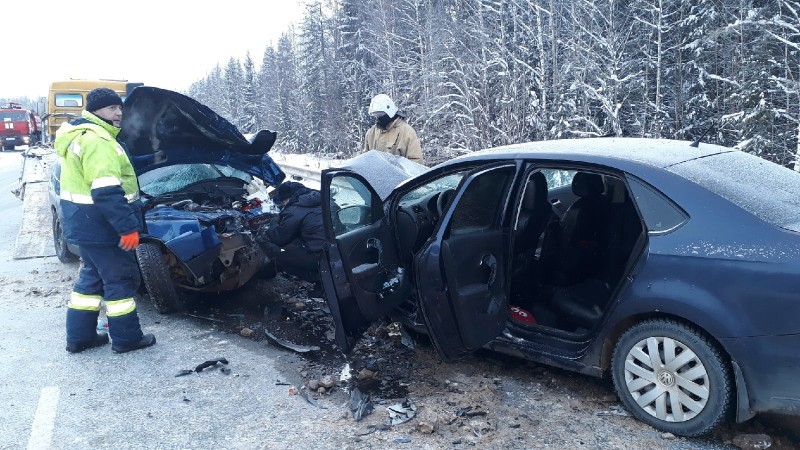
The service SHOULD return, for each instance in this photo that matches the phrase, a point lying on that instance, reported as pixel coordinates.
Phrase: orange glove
(129, 241)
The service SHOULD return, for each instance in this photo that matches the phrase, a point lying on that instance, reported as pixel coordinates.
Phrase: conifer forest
(473, 74)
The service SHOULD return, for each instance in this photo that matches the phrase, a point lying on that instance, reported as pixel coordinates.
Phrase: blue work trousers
(110, 275)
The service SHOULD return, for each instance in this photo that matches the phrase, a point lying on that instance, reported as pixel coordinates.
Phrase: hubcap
(666, 379)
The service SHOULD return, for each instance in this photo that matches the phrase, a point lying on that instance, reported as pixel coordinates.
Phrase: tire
(688, 400)
(62, 251)
(156, 279)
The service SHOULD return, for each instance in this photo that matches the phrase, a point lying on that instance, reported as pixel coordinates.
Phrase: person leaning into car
(391, 133)
(298, 231)
(99, 193)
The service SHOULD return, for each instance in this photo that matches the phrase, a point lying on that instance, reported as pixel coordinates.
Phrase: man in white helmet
(391, 133)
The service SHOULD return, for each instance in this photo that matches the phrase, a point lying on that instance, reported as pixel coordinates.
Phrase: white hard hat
(382, 104)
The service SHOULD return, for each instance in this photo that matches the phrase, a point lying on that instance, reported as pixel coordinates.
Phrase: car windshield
(176, 177)
(12, 116)
(438, 185)
(766, 190)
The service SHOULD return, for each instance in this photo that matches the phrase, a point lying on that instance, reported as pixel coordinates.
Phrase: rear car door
(359, 269)
(461, 274)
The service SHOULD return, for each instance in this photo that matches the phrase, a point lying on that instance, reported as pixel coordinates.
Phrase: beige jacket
(398, 139)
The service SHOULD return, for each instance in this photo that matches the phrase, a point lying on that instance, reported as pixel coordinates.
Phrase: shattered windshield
(176, 177)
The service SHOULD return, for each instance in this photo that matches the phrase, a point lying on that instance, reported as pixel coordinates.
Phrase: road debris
(360, 404)
(401, 412)
(468, 412)
(210, 363)
(289, 345)
(204, 365)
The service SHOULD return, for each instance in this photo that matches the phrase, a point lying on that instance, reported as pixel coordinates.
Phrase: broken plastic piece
(402, 412)
(468, 412)
(289, 345)
(360, 404)
(210, 363)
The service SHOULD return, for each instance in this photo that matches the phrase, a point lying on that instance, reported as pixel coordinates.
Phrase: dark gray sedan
(670, 268)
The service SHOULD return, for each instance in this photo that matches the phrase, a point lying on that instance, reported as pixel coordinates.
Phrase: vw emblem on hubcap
(666, 378)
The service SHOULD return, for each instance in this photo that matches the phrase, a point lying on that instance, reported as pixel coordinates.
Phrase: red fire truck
(18, 127)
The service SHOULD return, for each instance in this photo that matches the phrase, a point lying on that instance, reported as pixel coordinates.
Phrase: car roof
(660, 153)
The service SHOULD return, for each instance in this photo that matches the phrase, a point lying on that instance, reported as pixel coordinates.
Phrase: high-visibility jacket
(399, 138)
(99, 189)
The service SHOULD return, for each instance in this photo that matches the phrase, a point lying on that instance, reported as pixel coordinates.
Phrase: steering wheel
(443, 200)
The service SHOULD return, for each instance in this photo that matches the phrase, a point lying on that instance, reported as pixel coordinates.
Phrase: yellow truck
(67, 99)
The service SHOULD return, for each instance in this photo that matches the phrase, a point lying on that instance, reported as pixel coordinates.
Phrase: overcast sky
(163, 43)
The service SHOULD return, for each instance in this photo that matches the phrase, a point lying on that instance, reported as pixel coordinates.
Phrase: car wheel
(672, 377)
(156, 279)
(62, 251)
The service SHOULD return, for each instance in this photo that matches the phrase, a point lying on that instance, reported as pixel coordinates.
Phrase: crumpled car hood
(161, 127)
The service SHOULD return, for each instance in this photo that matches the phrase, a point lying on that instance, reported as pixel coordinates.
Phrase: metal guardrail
(306, 175)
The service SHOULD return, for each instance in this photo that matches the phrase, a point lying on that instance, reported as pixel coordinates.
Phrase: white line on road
(44, 420)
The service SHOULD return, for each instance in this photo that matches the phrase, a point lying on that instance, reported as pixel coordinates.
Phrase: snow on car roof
(653, 152)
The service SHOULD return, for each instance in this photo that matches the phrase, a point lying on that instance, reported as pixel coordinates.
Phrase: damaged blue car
(204, 200)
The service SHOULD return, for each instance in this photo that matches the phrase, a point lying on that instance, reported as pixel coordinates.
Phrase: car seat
(572, 249)
(535, 212)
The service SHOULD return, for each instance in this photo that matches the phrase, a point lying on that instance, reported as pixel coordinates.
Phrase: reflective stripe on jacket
(98, 183)
(398, 139)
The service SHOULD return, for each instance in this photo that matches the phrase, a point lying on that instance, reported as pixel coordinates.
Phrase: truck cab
(18, 127)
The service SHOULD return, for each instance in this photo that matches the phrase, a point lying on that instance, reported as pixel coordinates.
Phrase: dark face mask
(383, 121)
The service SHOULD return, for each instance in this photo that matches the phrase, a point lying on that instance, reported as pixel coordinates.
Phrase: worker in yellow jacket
(100, 214)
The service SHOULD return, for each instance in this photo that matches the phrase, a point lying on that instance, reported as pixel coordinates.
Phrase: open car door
(469, 258)
(359, 268)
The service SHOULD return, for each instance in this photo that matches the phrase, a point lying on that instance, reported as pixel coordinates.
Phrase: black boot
(146, 341)
(77, 347)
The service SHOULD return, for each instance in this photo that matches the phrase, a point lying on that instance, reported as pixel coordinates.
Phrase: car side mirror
(352, 216)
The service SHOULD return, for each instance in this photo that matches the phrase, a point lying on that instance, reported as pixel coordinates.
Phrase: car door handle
(490, 262)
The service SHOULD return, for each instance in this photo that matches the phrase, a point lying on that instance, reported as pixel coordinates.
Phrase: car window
(480, 205)
(444, 183)
(767, 190)
(74, 100)
(557, 178)
(660, 214)
(176, 177)
(351, 204)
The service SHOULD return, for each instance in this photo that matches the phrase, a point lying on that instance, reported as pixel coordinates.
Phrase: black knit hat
(285, 190)
(100, 98)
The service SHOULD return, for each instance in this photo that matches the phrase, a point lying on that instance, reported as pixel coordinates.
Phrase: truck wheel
(672, 377)
(8, 147)
(156, 279)
(62, 251)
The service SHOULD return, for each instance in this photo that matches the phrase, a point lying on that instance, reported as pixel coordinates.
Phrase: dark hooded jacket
(301, 220)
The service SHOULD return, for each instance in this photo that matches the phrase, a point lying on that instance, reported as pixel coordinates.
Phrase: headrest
(586, 184)
(535, 191)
